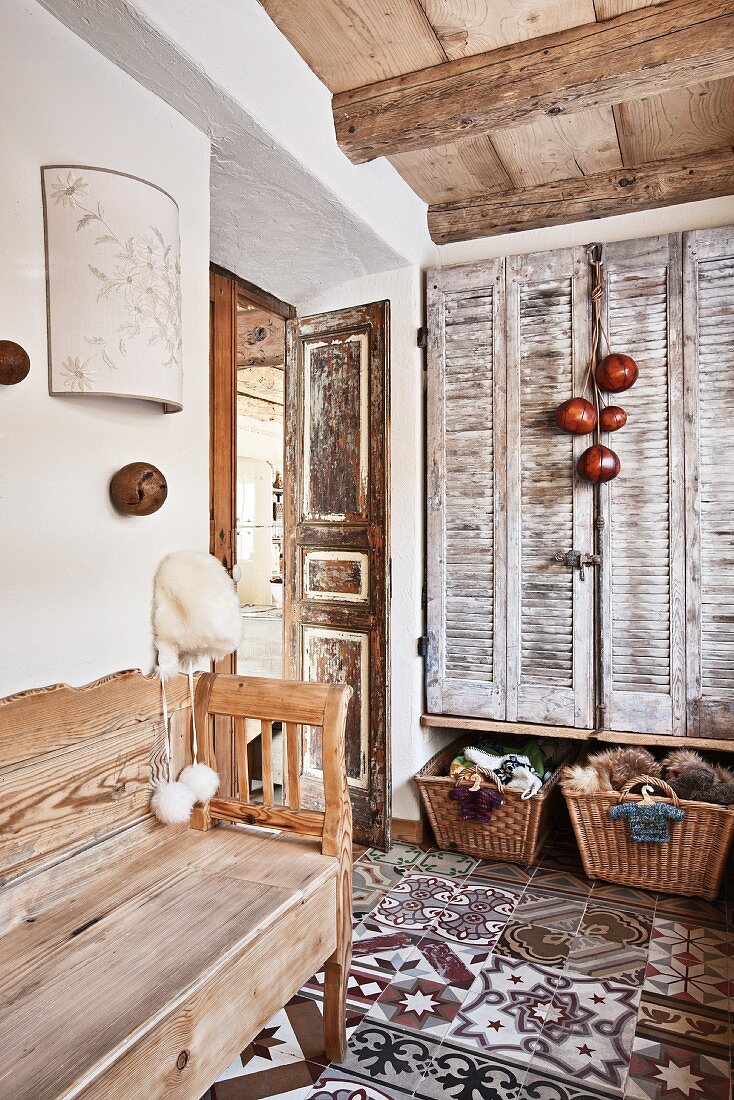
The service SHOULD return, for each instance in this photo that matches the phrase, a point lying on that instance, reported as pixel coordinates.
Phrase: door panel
(708, 281)
(550, 648)
(465, 670)
(336, 568)
(643, 679)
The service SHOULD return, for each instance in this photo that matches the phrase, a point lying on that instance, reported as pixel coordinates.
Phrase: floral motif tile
(384, 950)
(382, 1052)
(505, 1009)
(453, 864)
(476, 912)
(550, 910)
(549, 1086)
(598, 958)
(418, 1004)
(685, 1024)
(659, 1071)
(588, 1032)
(534, 943)
(399, 855)
(458, 1073)
(690, 963)
(616, 925)
(415, 903)
(336, 1084)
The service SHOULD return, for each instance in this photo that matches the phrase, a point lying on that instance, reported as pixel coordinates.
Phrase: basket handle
(650, 781)
(494, 778)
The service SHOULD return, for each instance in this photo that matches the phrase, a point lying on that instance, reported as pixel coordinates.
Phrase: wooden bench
(136, 959)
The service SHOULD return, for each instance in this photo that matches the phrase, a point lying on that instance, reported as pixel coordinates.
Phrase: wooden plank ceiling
(488, 105)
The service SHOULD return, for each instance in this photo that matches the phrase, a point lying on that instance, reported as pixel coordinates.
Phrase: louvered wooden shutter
(708, 282)
(550, 632)
(643, 672)
(466, 667)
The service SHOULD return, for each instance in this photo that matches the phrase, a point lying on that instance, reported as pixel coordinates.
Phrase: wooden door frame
(223, 291)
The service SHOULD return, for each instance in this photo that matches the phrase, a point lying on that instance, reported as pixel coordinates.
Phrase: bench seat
(86, 980)
(138, 959)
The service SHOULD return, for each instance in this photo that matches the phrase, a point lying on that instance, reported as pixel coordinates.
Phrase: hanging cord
(596, 259)
(166, 728)
(193, 714)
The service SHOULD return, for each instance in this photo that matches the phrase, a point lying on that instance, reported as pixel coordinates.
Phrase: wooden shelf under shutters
(510, 630)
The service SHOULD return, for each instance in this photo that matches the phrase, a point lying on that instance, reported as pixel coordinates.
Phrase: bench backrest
(294, 705)
(76, 764)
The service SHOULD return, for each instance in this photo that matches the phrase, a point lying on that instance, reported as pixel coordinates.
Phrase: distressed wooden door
(550, 640)
(465, 659)
(643, 542)
(708, 294)
(336, 562)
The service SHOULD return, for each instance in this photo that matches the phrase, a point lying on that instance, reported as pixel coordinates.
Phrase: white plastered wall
(411, 744)
(76, 577)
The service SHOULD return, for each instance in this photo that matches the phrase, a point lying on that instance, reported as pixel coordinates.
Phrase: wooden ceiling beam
(643, 52)
(664, 183)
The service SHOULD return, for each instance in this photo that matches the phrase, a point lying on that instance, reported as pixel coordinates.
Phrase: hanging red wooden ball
(616, 373)
(612, 418)
(577, 416)
(598, 464)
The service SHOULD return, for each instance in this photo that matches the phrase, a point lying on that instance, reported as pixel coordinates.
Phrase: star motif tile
(660, 1070)
(385, 950)
(505, 1010)
(445, 961)
(476, 913)
(364, 987)
(690, 963)
(415, 903)
(418, 1004)
(588, 1032)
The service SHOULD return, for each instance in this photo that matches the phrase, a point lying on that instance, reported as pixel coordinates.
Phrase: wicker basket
(518, 827)
(691, 863)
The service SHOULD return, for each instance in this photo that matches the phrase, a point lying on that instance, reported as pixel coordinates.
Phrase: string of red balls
(614, 374)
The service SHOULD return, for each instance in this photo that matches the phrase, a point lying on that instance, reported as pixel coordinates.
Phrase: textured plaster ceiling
(272, 221)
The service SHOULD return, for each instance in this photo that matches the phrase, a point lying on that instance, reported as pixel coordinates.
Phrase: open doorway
(299, 515)
(259, 448)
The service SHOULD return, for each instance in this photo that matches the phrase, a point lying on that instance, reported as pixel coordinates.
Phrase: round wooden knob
(616, 373)
(138, 489)
(598, 464)
(577, 416)
(612, 418)
(14, 363)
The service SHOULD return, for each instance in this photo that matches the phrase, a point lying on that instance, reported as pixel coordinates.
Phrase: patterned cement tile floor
(477, 980)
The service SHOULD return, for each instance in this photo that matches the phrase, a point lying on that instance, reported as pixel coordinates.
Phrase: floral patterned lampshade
(114, 286)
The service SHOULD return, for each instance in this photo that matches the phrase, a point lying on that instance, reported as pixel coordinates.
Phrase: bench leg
(336, 974)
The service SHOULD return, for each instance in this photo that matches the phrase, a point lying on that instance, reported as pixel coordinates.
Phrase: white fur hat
(196, 612)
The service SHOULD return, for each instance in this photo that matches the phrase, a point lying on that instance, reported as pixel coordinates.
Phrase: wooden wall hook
(138, 489)
(15, 363)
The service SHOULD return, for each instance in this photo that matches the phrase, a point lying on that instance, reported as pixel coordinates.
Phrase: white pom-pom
(202, 780)
(172, 802)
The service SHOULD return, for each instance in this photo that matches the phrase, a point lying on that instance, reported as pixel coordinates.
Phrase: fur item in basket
(609, 770)
(701, 785)
(680, 761)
